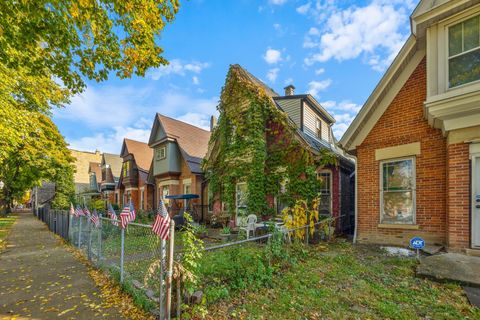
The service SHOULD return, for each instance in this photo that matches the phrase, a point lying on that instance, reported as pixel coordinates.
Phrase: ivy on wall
(254, 142)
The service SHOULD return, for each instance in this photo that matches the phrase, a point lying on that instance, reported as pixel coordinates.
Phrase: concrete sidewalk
(40, 279)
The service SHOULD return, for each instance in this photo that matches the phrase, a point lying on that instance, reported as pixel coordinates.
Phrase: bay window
(397, 194)
(464, 52)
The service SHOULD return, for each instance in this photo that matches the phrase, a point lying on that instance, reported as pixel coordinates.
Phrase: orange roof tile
(142, 153)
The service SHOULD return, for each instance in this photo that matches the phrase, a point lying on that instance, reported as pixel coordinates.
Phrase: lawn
(338, 281)
(5, 225)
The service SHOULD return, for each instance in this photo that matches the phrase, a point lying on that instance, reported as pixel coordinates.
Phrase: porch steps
(473, 252)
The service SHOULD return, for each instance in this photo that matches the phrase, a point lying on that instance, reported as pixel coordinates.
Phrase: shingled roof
(192, 140)
(115, 163)
(141, 152)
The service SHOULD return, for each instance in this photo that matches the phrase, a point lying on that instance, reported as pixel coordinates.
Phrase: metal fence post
(89, 245)
(122, 244)
(160, 295)
(79, 231)
(99, 253)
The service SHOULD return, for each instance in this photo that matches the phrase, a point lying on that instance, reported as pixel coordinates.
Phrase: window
(161, 153)
(241, 201)
(318, 128)
(142, 197)
(325, 205)
(464, 52)
(397, 191)
(126, 168)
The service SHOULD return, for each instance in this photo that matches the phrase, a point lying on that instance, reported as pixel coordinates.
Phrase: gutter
(356, 201)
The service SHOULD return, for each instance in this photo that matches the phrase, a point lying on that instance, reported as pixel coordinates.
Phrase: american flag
(112, 214)
(86, 212)
(94, 218)
(78, 211)
(161, 225)
(127, 215)
(72, 210)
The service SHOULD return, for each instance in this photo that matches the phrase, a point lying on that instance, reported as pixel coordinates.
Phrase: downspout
(356, 202)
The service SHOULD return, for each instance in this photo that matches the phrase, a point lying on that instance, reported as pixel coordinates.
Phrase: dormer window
(318, 128)
(464, 52)
(161, 153)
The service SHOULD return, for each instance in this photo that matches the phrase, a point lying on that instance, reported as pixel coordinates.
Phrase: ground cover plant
(331, 281)
(5, 225)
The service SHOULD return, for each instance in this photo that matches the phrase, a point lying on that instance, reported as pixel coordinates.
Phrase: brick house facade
(415, 153)
(133, 184)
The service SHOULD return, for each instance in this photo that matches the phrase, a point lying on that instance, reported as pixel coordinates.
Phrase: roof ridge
(189, 124)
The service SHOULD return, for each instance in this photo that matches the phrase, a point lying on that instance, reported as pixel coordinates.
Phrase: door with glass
(476, 201)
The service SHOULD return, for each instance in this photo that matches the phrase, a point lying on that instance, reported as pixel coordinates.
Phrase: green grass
(342, 281)
(5, 225)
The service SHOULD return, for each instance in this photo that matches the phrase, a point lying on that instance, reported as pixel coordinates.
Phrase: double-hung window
(318, 128)
(464, 52)
(397, 194)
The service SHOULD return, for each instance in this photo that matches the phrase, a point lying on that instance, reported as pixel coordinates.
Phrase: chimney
(289, 90)
(213, 122)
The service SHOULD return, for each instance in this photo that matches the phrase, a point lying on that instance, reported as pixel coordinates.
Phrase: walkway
(40, 279)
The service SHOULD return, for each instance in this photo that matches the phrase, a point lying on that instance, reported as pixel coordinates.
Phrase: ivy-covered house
(179, 149)
(111, 166)
(133, 184)
(268, 150)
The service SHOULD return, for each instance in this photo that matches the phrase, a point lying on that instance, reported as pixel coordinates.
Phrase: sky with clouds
(335, 50)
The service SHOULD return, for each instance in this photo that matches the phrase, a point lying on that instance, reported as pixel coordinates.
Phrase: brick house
(133, 183)
(179, 149)
(111, 167)
(417, 138)
(312, 126)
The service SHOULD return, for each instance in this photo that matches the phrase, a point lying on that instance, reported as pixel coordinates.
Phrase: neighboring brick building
(133, 184)
(417, 137)
(312, 126)
(179, 149)
(81, 177)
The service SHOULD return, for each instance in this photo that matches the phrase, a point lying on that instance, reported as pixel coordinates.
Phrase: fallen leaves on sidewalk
(111, 294)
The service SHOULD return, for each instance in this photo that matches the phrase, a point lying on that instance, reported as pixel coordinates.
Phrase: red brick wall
(402, 123)
(458, 196)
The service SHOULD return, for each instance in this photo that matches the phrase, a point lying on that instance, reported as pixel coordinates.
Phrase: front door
(476, 201)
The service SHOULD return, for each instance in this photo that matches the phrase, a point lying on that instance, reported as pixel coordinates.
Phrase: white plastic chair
(250, 225)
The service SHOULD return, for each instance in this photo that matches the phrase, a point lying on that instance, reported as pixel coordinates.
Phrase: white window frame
(161, 150)
(318, 127)
(414, 189)
(447, 53)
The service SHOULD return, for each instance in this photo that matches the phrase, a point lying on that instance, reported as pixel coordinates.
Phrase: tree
(41, 155)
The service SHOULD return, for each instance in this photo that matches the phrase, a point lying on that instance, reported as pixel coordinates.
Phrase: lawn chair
(250, 225)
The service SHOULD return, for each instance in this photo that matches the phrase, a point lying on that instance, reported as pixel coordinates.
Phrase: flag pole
(160, 297)
(121, 253)
(170, 268)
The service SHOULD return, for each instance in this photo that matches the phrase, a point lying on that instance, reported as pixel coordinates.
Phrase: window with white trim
(161, 153)
(397, 191)
(318, 128)
(464, 52)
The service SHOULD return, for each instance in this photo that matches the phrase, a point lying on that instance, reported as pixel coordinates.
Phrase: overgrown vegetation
(335, 281)
(251, 127)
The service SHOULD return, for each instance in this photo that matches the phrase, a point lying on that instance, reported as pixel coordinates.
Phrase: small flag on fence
(162, 221)
(124, 216)
(72, 210)
(133, 214)
(112, 215)
(86, 212)
(78, 211)
(94, 218)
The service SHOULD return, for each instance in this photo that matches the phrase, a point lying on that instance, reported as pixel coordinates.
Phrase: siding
(309, 117)
(172, 161)
(292, 108)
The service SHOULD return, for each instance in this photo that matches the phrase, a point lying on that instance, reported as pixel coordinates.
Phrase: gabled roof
(192, 141)
(95, 167)
(314, 144)
(115, 163)
(313, 102)
(141, 152)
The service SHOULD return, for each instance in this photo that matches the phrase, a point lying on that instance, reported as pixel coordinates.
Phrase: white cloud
(288, 81)
(277, 26)
(344, 112)
(272, 56)
(197, 119)
(314, 87)
(177, 67)
(195, 80)
(303, 9)
(273, 74)
(375, 31)
(106, 115)
(277, 2)
(319, 71)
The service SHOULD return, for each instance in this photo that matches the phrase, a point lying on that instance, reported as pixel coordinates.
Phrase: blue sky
(335, 50)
